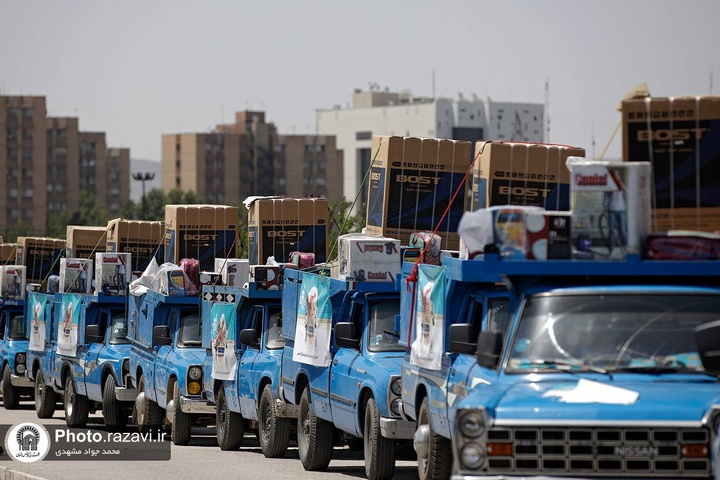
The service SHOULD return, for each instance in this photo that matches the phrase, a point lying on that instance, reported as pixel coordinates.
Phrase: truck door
(247, 381)
(163, 362)
(93, 370)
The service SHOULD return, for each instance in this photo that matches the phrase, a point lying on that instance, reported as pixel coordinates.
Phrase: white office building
(381, 112)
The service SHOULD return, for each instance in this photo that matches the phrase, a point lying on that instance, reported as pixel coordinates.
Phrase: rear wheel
(182, 422)
(77, 407)
(315, 436)
(11, 395)
(149, 413)
(229, 425)
(274, 431)
(379, 451)
(45, 397)
(115, 418)
(434, 453)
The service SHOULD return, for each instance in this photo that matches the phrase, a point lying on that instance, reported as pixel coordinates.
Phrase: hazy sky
(139, 69)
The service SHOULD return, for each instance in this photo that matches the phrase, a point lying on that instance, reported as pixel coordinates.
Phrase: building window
(12, 113)
(365, 135)
(27, 152)
(27, 112)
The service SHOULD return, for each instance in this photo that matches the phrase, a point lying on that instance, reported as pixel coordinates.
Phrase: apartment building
(117, 178)
(316, 160)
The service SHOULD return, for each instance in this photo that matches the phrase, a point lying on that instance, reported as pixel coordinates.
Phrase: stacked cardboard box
(12, 282)
(280, 226)
(412, 183)
(368, 259)
(112, 272)
(85, 242)
(76, 275)
(8, 253)
(41, 256)
(141, 238)
(234, 272)
(680, 137)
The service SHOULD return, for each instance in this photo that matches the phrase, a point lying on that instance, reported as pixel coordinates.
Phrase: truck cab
(13, 353)
(357, 392)
(243, 345)
(166, 358)
(606, 369)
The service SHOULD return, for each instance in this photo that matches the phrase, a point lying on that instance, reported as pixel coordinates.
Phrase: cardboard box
(202, 232)
(548, 235)
(279, 226)
(41, 256)
(141, 238)
(12, 282)
(267, 277)
(679, 136)
(8, 253)
(412, 182)
(530, 174)
(76, 275)
(367, 258)
(85, 242)
(610, 204)
(234, 272)
(112, 273)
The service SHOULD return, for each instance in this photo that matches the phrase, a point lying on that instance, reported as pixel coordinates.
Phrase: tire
(181, 422)
(77, 407)
(11, 395)
(436, 465)
(379, 451)
(115, 418)
(273, 431)
(229, 426)
(315, 436)
(150, 417)
(45, 397)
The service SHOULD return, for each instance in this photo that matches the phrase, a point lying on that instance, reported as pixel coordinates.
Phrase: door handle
(335, 362)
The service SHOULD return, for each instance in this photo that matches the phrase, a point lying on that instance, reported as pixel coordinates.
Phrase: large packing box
(279, 226)
(680, 137)
(412, 181)
(368, 259)
(41, 256)
(85, 242)
(76, 275)
(8, 253)
(610, 203)
(529, 174)
(141, 238)
(234, 272)
(12, 282)
(112, 272)
(202, 232)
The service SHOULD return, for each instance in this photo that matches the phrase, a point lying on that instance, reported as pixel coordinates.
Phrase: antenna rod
(547, 110)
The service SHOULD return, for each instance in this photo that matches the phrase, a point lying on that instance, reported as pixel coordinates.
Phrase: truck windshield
(118, 329)
(189, 333)
(274, 340)
(611, 332)
(17, 329)
(382, 334)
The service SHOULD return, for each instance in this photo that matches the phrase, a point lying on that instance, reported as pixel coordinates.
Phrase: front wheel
(115, 418)
(11, 395)
(230, 426)
(77, 407)
(181, 421)
(315, 436)
(45, 397)
(379, 451)
(434, 452)
(274, 431)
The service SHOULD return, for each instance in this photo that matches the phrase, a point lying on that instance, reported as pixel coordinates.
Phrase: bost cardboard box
(143, 239)
(112, 272)
(12, 282)
(368, 259)
(40, 255)
(610, 203)
(280, 226)
(8, 253)
(528, 174)
(680, 137)
(202, 232)
(234, 272)
(76, 275)
(84, 241)
(412, 183)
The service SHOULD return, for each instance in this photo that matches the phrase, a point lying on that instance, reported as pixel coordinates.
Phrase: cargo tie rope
(230, 250)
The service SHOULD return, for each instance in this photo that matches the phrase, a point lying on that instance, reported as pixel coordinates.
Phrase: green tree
(342, 222)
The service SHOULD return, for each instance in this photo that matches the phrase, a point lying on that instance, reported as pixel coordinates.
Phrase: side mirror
(489, 348)
(93, 334)
(161, 335)
(345, 336)
(461, 339)
(249, 337)
(707, 338)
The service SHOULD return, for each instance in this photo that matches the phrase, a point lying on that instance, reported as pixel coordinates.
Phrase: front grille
(600, 451)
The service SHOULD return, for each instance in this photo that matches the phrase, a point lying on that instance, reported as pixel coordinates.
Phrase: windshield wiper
(392, 334)
(656, 369)
(569, 366)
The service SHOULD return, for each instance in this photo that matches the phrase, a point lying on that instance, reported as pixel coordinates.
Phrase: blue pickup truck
(341, 368)
(166, 359)
(13, 353)
(243, 352)
(433, 377)
(606, 369)
(42, 331)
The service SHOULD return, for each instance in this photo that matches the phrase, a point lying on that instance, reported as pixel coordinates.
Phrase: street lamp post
(143, 177)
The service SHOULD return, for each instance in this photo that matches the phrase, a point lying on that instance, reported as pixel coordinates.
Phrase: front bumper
(397, 428)
(22, 381)
(196, 405)
(123, 394)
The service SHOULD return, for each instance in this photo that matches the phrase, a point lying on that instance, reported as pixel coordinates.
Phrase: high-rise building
(382, 112)
(315, 160)
(117, 178)
(63, 143)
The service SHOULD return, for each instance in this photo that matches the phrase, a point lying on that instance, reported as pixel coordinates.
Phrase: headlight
(20, 358)
(195, 373)
(472, 456)
(396, 386)
(395, 406)
(472, 424)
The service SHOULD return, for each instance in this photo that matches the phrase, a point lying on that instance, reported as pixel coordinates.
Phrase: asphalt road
(201, 459)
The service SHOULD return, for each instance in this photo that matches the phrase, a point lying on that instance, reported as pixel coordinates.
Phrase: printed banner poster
(314, 322)
(427, 348)
(68, 324)
(37, 322)
(223, 328)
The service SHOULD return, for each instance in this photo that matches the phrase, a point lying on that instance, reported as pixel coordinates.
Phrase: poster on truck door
(427, 349)
(38, 311)
(223, 327)
(314, 322)
(68, 325)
